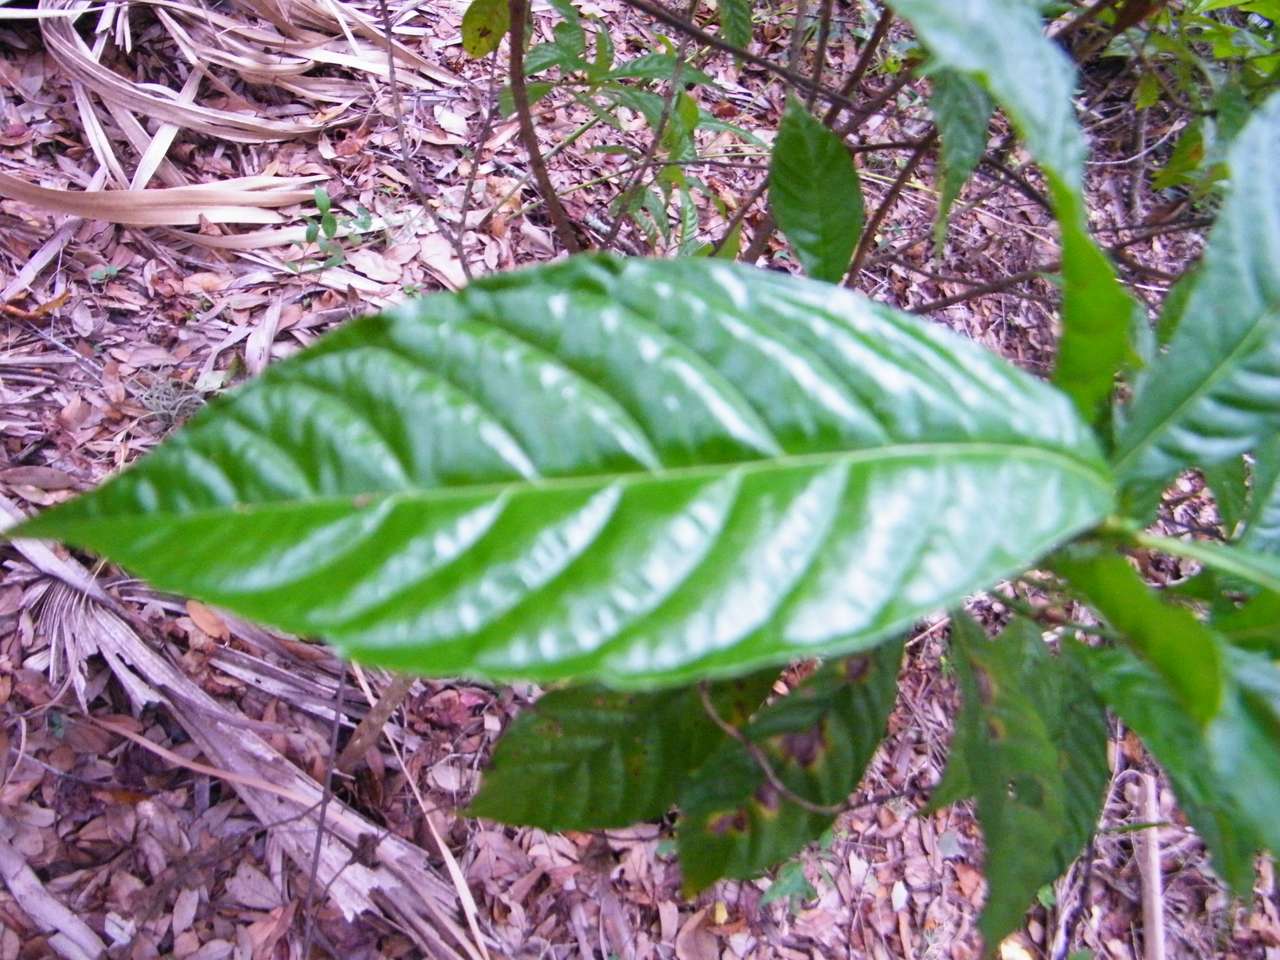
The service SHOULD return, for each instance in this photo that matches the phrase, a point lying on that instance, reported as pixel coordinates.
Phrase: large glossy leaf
(586, 758)
(1178, 646)
(815, 193)
(962, 112)
(1001, 44)
(1216, 392)
(1255, 625)
(1146, 703)
(817, 741)
(638, 472)
(1034, 739)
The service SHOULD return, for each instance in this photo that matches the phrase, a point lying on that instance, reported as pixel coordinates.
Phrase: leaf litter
(164, 765)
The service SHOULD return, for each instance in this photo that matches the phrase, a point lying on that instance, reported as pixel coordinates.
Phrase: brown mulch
(163, 766)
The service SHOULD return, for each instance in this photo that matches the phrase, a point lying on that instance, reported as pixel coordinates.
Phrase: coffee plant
(651, 484)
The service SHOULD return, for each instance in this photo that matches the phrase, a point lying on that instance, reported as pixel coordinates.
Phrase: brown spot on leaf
(804, 747)
(767, 796)
(723, 823)
(856, 669)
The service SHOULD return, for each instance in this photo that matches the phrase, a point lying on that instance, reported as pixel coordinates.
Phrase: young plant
(653, 484)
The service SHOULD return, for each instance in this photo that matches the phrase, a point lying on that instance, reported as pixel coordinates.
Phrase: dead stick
(519, 11)
(1149, 869)
(370, 728)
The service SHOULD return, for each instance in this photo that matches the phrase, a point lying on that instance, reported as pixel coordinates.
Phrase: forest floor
(162, 764)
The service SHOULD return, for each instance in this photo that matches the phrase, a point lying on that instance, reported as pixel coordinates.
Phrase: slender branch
(668, 106)
(308, 908)
(872, 227)
(519, 11)
(740, 214)
(406, 161)
(865, 57)
(983, 289)
(676, 22)
(369, 730)
(820, 55)
(491, 111)
(762, 761)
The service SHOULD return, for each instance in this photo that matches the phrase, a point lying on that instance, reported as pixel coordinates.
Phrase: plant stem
(873, 225)
(519, 11)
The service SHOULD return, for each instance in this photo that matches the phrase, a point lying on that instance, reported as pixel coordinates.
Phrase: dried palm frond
(241, 200)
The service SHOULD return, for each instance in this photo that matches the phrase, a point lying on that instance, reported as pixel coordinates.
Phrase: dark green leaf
(322, 200)
(657, 66)
(1244, 742)
(815, 193)
(1034, 740)
(547, 55)
(735, 21)
(1216, 393)
(962, 111)
(588, 758)
(1178, 646)
(1256, 570)
(1147, 704)
(329, 225)
(638, 472)
(1255, 626)
(536, 90)
(817, 741)
(484, 25)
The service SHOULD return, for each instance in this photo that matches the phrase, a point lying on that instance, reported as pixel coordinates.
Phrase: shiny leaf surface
(815, 194)
(1262, 524)
(817, 740)
(1216, 392)
(636, 472)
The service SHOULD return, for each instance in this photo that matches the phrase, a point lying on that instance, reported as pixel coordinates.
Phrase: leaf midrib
(1094, 472)
(1246, 345)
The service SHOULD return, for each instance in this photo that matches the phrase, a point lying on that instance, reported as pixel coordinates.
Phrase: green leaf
(1147, 704)
(322, 200)
(1229, 483)
(484, 25)
(815, 193)
(817, 740)
(588, 758)
(1244, 742)
(657, 66)
(631, 471)
(1262, 526)
(962, 112)
(1034, 740)
(1216, 393)
(735, 21)
(1177, 645)
(1001, 44)
(1260, 570)
(1255, 626)
(537, 90)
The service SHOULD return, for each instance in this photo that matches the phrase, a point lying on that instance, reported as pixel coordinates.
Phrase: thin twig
(1150, 872)
(406, 160)
(308, 908)
(674, 20)
(865, 57)
(369, 730)
(491, 111)
(872, 226)
(983, 289)
(762, 761)
(820, 54)
(668, 106)
(519, 11)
